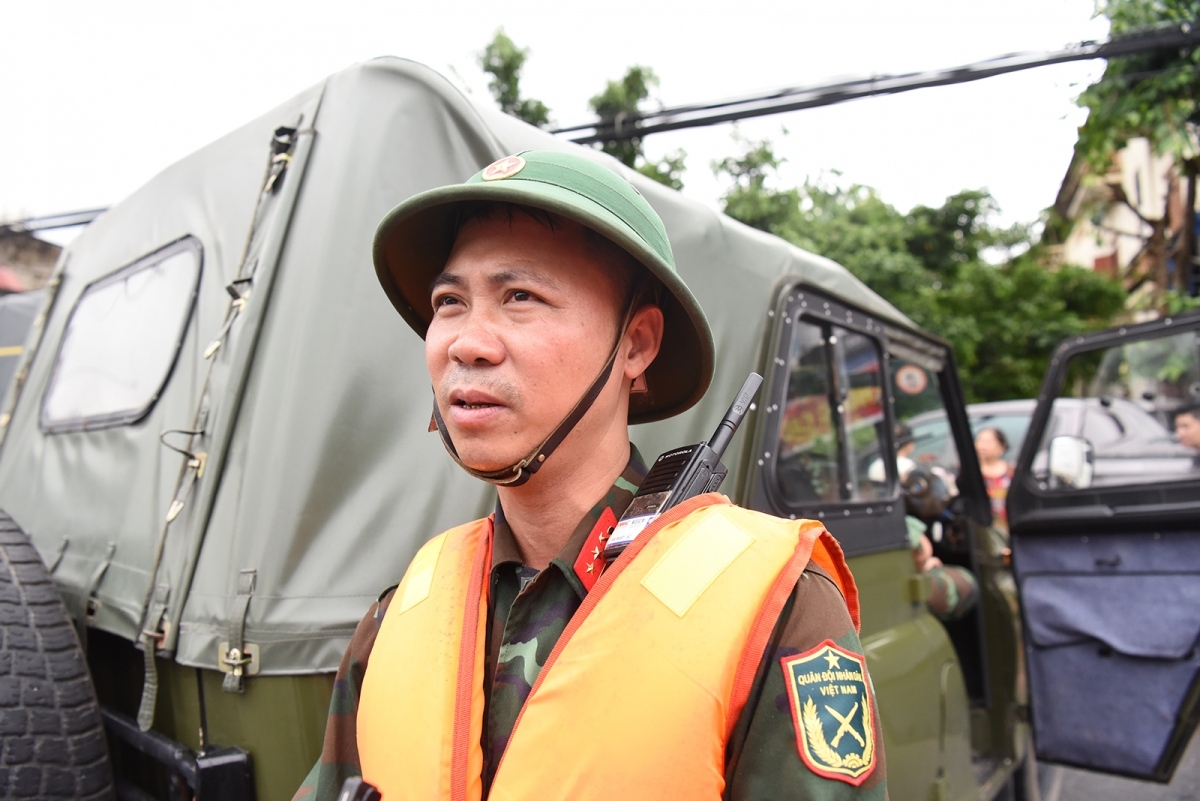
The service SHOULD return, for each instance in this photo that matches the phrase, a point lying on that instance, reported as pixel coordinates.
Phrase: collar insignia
(589, 564)
(831, 709)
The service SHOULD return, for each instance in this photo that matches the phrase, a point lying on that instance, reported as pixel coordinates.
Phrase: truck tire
(52, 743)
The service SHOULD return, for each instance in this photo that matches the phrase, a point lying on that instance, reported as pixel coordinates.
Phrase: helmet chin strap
(518, 473)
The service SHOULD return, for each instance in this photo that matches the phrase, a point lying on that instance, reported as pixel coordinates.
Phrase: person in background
(1187, 430)
(991, 445)
(953, 590)
(905, 443)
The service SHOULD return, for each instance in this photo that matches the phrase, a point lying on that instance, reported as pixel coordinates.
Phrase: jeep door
(1105, 522)
(824, 446)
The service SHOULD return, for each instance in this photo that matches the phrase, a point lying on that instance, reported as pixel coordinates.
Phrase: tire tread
(53, 744)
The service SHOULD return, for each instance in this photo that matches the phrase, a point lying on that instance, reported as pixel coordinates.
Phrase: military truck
(215, 456)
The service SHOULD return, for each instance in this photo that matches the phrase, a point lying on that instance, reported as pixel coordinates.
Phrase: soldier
(717, 657)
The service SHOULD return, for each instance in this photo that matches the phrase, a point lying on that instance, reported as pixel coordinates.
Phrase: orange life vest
(638, 697)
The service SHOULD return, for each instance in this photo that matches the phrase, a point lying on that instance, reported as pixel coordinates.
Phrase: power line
(1185, 36)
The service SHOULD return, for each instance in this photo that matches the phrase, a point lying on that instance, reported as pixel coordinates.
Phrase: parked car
(219, 457)
(1128, 441)
(931, 430)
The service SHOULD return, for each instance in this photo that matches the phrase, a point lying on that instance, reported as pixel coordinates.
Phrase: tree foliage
(623, 99)
(1003, 320)
(619, 100)
(503, 60)
(1153, 95)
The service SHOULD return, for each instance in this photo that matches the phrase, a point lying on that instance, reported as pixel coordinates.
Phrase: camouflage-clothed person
(953, 590)
(531, 609)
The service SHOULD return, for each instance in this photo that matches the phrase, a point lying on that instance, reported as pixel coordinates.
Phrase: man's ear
(643, 338)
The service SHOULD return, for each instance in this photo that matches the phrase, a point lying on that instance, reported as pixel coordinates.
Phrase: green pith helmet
(414, 240)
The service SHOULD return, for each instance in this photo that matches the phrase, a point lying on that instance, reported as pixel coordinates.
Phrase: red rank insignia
(590, 562)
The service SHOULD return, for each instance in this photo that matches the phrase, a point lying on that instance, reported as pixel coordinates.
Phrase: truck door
(1105, 523)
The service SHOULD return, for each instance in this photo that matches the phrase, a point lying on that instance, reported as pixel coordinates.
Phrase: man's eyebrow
(517, 275)
(444, 279)
(501, 278)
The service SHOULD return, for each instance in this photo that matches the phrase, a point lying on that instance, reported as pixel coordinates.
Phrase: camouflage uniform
(953, 590)
(531, 609)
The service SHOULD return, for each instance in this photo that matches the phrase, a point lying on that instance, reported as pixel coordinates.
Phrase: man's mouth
(473, 400)
(464, 405)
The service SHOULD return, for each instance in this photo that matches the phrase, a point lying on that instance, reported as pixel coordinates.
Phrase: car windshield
(1123, 415)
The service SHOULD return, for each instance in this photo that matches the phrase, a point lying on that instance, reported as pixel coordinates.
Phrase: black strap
(517, 474)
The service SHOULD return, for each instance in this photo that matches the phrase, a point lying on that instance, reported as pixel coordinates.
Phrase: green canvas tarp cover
(311, 394)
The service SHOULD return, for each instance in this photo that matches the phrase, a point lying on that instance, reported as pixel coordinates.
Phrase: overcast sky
(98, 97)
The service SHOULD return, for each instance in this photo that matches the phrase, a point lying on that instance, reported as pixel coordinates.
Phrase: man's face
(1187, 429)
(523, 321)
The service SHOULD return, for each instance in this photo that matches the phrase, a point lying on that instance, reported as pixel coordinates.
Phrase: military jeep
(215, 456)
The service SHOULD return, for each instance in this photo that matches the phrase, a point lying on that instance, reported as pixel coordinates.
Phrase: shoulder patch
(831, 710)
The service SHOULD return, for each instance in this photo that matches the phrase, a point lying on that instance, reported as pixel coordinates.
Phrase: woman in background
(991, 445)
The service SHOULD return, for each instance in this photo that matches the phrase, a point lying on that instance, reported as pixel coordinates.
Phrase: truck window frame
(858, 523)
(132, 415)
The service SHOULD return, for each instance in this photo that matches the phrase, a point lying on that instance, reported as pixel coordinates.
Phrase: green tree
(1152, 95)
(668, 170)
(1003, 320)
(503, 60)
(621, 100)
(750, 200)
(619, 104)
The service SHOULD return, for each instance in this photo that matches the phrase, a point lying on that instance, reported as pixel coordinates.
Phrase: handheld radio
(681, 473)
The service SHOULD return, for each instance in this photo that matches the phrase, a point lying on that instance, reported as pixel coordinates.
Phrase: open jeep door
(1105, 523)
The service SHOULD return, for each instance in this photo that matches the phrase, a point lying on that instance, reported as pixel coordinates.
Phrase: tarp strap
(282, 144)
(59, 552)
(239, 293)
(195, 469)
(88, 610)
(150, 639)
(235, 679)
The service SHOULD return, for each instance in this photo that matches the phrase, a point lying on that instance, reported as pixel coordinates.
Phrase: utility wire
(632, 126)
(1185, 36)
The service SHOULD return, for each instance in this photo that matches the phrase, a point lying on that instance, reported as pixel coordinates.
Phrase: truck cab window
(921, 413)
(831, 424)
(121, 342)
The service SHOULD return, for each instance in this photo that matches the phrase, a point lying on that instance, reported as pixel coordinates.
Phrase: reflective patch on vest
(831, 710)
(419, 578)
(693, 563)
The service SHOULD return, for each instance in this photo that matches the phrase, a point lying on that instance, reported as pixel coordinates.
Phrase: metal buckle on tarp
(282, 145)
(239, 292)
(89, 605)
(235, 655)
(196, 462)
